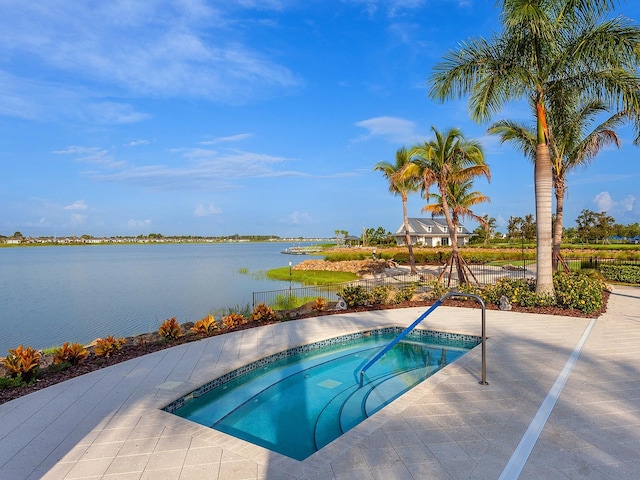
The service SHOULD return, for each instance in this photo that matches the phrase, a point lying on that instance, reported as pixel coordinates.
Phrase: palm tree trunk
(557, 234)
(407, 236)
(544, 251)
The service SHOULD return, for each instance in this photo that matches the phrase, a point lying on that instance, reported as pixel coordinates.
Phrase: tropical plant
(105, 347)
(233, 320)
(22, 362)
(170, 329)
(548, 51)
(205, 325)
(72, 354)
(403, 185)
(320, 304)
(263, 313)
(449, 159)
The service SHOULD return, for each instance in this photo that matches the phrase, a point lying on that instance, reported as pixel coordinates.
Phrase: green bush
(518, 292)
(580, 291)
(380, 295)
(355, 296)
(404, 294)
(621, 273)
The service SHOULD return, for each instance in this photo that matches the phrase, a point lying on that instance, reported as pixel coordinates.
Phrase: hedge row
(621, 273)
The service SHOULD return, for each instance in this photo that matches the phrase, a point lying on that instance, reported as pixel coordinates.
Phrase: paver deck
(108, 424)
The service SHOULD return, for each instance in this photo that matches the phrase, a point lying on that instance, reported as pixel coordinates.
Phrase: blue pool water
(298, 401)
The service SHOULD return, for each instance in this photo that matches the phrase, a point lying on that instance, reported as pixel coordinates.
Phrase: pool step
(393, 387)
(328, 427)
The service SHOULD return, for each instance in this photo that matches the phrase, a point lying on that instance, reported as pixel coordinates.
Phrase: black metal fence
(579, 263)
(482, 274)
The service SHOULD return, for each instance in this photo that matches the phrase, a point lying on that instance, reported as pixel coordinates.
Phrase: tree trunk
(557, 235)
(407, 236)
(453, 237)
(544, 250)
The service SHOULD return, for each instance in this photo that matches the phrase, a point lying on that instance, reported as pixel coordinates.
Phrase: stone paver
(108, 424)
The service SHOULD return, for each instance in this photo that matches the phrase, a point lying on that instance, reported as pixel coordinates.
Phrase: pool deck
(546, 413)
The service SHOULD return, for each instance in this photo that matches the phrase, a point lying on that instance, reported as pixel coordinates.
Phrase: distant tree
(529, 228)
(489, 226)
(592, 226)
(514, 228)
(402, 185)
(17, 235)
(377, 236)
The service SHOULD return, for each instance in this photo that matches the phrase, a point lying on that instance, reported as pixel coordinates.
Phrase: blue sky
(214, 118)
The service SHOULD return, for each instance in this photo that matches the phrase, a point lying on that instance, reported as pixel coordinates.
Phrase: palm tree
(571, 146)
(489, 224)
(448, 159)
(403, 186)
(460, 200)
(548, 50)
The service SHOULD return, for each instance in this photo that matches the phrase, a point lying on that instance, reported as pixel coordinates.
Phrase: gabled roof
(420, 226)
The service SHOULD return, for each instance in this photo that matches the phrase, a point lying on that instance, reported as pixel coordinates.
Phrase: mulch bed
(132, 349)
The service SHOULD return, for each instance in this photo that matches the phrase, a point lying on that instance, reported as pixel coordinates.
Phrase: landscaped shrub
(518, 292)
(205, 325)
(233, 320)
(380, 295)
(72, 354)
(263, 313)
(170, 329)
(355, 296)
(621, 273)
(105, 347)
(22, 363)
(404, 294)
(580, 291)
(437, 290)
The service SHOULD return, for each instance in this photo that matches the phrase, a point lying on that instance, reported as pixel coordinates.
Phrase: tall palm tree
(571, 145)
(546, 47)
(448, 159)
(403, 186)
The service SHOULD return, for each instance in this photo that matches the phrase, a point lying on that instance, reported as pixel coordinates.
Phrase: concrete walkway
(108, 424)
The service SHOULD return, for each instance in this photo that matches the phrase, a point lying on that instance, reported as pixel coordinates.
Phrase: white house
(430, 233)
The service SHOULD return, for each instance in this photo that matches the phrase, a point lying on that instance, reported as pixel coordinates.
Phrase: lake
(50, 295)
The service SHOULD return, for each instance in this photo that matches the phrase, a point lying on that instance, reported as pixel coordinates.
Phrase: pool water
(300, 402)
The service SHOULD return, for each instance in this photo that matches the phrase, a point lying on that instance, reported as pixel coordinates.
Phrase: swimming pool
(297, 401)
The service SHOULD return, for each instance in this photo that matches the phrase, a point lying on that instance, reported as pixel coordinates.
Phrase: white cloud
(393, 129)
(605, 203)
(92, 155)
(202, 210)
(77, 205)
(627, 203)
(299, 218)
(115, 113)
(135, 223)
(231, 138)
(137, 143)
(164, 48)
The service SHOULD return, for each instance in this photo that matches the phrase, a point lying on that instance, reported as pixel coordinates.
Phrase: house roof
(420, 226)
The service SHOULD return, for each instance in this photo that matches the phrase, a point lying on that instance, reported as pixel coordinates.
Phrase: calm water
(49, 295)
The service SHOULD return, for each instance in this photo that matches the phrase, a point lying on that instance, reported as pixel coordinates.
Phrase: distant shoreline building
(430, 233)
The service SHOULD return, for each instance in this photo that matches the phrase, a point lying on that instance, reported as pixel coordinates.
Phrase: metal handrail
(407, 330)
